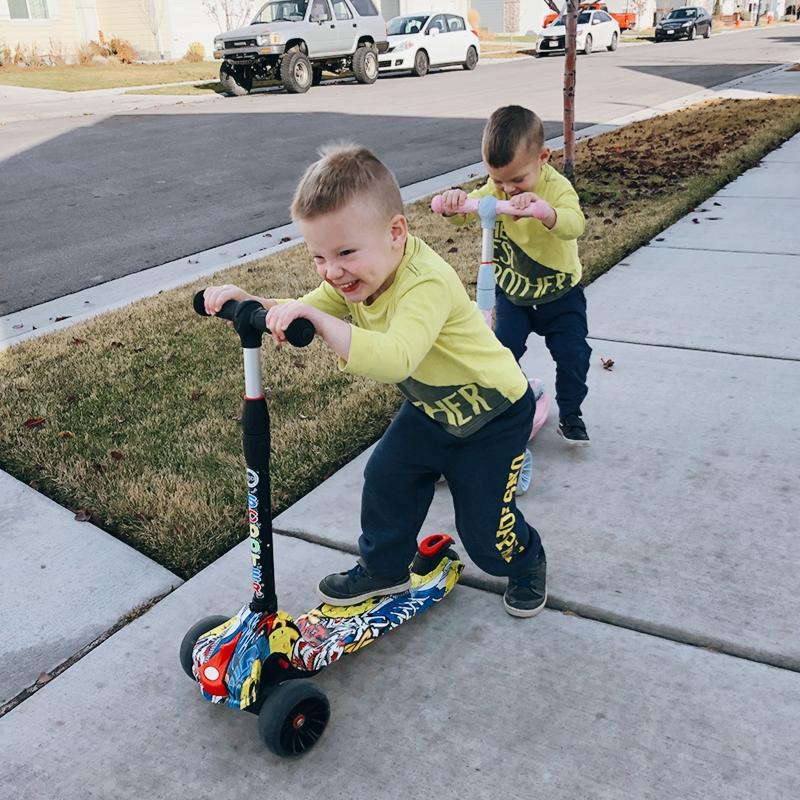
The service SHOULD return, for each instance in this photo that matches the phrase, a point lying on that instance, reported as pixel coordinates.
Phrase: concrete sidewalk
(678, 524)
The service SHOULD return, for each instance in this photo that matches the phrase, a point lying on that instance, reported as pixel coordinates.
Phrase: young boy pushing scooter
(468, 408)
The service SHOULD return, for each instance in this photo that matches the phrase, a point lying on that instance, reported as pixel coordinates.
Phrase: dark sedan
(684, 23)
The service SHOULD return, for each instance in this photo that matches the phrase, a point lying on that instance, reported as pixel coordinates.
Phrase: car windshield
(583, 19)
(281, 11)
(400, 26)
(682, 13)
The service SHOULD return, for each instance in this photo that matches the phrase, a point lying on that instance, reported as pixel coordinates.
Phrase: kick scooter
(256, 660)
(487, 209)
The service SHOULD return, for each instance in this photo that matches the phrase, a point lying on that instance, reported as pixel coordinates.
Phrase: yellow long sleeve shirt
(534, 265)
(426, 335)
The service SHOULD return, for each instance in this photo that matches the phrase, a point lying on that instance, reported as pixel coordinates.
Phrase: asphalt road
(87, 200)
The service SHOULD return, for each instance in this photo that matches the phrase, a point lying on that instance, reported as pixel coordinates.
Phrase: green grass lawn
(80, 78)
(131, 418)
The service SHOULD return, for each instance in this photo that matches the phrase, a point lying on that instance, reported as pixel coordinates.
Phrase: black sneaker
(573, 431)
(357, 585)
(526, 594)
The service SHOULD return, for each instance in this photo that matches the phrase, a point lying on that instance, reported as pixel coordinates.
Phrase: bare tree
(153, 12)
(570, 11)
(229, 14)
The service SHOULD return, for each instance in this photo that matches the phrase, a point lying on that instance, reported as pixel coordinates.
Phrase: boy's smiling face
(521, 174)
(356, 250)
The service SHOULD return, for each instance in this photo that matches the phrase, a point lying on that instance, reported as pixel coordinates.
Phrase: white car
(420, 41)
(596, 29)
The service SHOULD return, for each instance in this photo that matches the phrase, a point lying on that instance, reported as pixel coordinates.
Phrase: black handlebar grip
(226, 312)
(300, 332)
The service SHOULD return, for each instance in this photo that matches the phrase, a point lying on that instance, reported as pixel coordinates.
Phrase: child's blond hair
(506, 130)
(345, 172)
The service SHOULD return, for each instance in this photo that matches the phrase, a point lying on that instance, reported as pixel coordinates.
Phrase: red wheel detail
(433, 545)
(299, 721)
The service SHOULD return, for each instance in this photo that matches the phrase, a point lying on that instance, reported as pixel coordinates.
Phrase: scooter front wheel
(194, 633)
(293, 717)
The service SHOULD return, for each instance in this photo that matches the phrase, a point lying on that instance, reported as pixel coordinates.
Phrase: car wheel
(316, 76)
(587, 47)
(296, 72)
(471, 60)
(614, 41)
(365, 64)
(421, 64)
(236, 80)
(690, 35)
(707, 32)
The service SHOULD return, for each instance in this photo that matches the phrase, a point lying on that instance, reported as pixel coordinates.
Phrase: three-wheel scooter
(487, 209)
(256, 660)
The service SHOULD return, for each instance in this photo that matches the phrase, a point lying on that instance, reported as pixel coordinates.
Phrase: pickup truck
(625, 19)
(294, 40)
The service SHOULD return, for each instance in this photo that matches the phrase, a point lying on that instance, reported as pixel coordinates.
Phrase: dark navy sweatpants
(482, 472)
(562, 322)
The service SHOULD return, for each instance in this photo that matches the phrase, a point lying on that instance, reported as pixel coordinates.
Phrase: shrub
(195, 52)
(56, 55)
(123, 50)
(87, 52)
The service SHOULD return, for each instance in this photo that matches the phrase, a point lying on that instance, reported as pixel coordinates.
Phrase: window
(319, 11)
(455, 23)
(340, 10)
(438, 23)
(28, 9)
(602, 16)
(366, 8)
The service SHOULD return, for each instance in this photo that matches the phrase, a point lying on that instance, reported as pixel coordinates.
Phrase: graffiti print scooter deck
(254, 659)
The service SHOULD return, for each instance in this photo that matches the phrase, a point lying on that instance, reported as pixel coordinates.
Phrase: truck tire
(365, 64)
(236, 80)
(296, 72)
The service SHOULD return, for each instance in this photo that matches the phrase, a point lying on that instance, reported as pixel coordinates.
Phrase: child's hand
(280, 316)
(523, 200)
(216, 296)
(451, 200)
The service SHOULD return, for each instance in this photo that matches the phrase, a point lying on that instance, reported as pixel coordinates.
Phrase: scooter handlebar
(470, 206)
(300, 332)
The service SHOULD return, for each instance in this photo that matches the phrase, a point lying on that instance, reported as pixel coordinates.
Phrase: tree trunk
(569, 89)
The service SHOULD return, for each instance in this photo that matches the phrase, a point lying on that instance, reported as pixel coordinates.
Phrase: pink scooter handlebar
(537, 209)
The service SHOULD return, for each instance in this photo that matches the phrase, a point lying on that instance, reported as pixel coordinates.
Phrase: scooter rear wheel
(192, 635)
(293, 717)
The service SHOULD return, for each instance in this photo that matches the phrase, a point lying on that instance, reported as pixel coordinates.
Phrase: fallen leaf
(34, 485)
(117, 455)
(65, 435)
(696, 221)
(66, 316)
(34, 422)
(44, 677)
(82, 515)
(714, 218)
(193, 261)
(197, 394)
(660, 239)
(608, 363)
(19, 326)
(139, 349)
(267, 235)
(453, 250)
(77, 341)
(117, 345)
(717, 204)
(286, 239)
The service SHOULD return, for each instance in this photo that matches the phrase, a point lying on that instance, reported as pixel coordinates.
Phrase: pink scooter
(488, 208)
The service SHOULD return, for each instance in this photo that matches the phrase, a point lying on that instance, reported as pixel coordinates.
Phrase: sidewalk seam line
(789, 359)
(554, 603)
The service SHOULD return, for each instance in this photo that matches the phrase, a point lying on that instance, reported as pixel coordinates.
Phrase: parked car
(294, 40)
(626, 19)
(686, 22)
(596, 29)
(421, 41)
